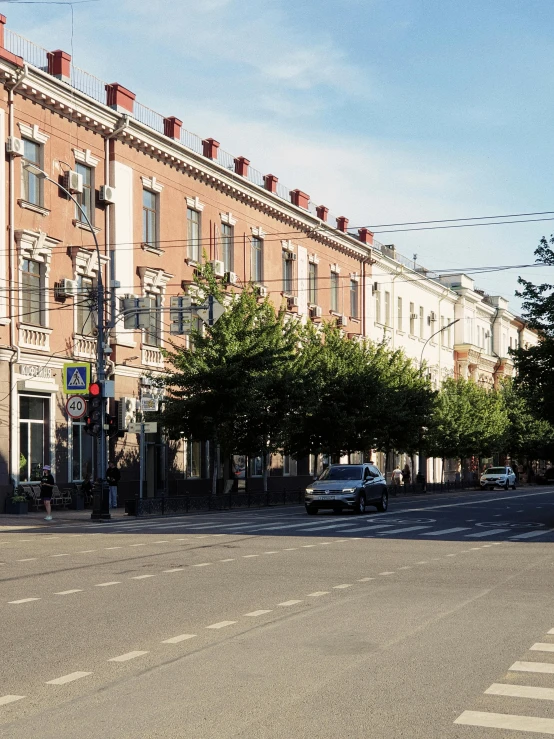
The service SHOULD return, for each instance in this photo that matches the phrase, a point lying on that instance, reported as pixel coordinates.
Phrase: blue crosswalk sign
(76, 377)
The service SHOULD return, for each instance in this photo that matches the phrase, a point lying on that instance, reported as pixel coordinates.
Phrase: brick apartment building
(161, 200)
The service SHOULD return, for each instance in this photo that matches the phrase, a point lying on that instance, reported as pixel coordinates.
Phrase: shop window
(256, 466)
(34, 436)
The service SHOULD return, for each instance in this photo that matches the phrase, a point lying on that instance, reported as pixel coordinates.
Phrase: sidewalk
(36, 518)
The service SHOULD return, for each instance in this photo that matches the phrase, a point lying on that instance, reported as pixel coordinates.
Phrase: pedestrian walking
(406, 474)
(47, 490)
(113, 476)
(396, 476)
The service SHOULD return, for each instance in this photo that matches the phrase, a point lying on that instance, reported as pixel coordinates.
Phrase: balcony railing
(20, 46)
(34, 337)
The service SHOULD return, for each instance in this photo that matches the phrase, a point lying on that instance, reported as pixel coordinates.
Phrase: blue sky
(384, 110)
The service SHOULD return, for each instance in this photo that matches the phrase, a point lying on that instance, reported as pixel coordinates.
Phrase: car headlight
(309, 490)
(349, 490)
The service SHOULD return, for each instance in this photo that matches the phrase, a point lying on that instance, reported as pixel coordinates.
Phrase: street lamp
(421, 457)
(101, 508)
(432, 335)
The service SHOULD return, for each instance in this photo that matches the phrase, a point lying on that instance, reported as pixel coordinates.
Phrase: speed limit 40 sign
(76, 407)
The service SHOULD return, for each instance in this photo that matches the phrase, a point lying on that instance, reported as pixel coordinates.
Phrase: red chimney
(299, 198)
(210, 148)
(322, 212)
(172, 127)
(59, 65)
(120, 98)
(366, 236)
(270, 182)
(342, 223)
(241, 166)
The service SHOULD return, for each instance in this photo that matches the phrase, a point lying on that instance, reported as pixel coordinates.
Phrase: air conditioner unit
(218, 268)
(432, 317)
(232, 278)
(316, 311)
(290, 256)
(126, 413)
(342, 321)
(14, 146)
(263, 292)
(293, 302)
(106, 194)
(73, 181)
(66, 288)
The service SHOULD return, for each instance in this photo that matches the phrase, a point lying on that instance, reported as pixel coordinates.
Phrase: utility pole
(101, 509)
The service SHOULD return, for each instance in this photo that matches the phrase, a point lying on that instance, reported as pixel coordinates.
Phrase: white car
(502, 477)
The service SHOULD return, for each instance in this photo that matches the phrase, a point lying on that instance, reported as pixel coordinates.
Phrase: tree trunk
(215, 466)
(264, 471)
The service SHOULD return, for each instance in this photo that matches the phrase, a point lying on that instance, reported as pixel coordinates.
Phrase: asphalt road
(431, 620)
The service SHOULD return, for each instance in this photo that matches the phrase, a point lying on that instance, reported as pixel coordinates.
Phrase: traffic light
(93, 416)
(110, 424)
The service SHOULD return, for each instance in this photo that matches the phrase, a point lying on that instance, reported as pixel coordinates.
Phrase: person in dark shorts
(46, 490)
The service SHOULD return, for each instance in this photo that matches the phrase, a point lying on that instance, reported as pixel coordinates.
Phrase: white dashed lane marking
(253, 614)
(176, 569)
(68, 592)
(539, 647)
(544, 667)
(447, 531)
(5, 699)
(127, 657)
(386, 573)
(318, 593)
(490, 532)
(30, 559)
(530, 534)
(506, 721)
(23, 600)
(221, 625)
(203, 564)
(106, 584)
(177, 639)
(289, 603)
(521, 691)
(403, 531)
(342, 587)
(68, 678)
(141, 577)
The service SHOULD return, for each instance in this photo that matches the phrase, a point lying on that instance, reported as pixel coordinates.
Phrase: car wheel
(311, 510)
(359, 508)
(383, 504)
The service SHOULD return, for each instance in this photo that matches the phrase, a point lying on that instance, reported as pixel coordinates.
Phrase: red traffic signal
(95, 389)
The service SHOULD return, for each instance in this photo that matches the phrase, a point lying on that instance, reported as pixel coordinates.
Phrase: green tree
(468, 420)
(534, 375)
(527, 437)
(231, 388)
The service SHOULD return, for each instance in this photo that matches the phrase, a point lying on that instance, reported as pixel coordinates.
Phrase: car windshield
(496, 471)
(342, 472)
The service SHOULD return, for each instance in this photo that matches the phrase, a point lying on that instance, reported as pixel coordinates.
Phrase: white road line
(521, 691)
(368, 529)
(137, 545)
(366, 579)
(289, 603)
(531, 534)
(141, 577)
(203, 564)
(30, 559)
(59, 555)
(68, 592)
(321, 527)
(450, 555)
(293, 549)
(68, 678)
(551, 631)
(489, 532)
(177, 569)
(403, 531)
(231, 559)
(5, 699)
(106, 548)
(249, 556)
(540, 647)
(127, 657)
(105, 584)
(447, 531)
(318, 593)
(306, 546)
(253, 614)
(342, 587)
(506, 721)
(406, 567)
(221, 625)
(177, 639)
(544, 667)
(86, 551)
(423, 562)
(23, 600)
(165, 541)
(387, 573)
(273, 552)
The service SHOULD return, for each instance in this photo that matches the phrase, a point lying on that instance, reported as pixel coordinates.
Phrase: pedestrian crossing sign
(76, 378)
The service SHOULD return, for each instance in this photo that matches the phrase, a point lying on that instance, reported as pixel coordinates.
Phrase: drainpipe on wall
(13, 467)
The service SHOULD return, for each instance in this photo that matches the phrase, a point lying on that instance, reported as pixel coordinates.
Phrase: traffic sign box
(76, 407)
(76, 378)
